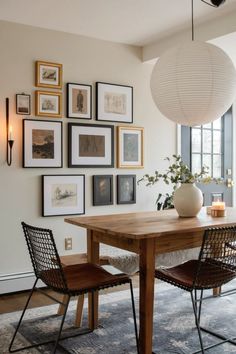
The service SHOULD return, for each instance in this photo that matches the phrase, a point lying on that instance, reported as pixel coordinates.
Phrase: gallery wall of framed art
(89, 145)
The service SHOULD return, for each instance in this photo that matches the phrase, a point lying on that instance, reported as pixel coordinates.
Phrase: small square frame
(81, 100)
(102, 190)
(123, 191)
(44, 107)
(23, 104)
(60, 195)
(114, 103)
(130, 147)
(28, 144)
(48, 74)
(81, 134)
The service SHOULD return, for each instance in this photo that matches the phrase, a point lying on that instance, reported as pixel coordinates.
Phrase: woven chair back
(44, 257)
(217, 258)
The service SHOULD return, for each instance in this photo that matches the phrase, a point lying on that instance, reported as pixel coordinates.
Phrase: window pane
(196, 163)
(196, 140)
(207, 141)
(217, 124)
(207, 126)
(216, 142)
(206, 161)
(217, 166)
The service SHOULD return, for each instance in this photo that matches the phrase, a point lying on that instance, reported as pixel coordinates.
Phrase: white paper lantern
(194, 83)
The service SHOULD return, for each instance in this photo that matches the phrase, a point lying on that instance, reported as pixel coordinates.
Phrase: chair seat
(86, 277)
(183, 275)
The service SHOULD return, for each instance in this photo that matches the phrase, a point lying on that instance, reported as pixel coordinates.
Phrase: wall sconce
(10, 141)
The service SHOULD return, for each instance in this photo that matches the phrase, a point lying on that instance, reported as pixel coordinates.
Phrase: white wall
(84, 61)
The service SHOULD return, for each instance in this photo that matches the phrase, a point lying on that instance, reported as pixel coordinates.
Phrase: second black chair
(71, 281)
(215, 266)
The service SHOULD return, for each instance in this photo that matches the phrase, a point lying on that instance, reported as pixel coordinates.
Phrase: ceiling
(137, 22)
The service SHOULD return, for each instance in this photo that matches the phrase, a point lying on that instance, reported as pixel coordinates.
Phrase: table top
(152, 224)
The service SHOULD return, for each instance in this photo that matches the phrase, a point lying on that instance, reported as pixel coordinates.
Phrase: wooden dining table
(147, 234)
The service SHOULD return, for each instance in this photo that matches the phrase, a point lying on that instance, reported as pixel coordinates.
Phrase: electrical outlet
(68, 243)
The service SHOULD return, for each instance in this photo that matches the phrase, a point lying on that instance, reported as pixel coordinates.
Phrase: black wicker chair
(215, 266)
(72, 280)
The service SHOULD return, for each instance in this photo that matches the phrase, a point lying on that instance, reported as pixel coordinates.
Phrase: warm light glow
(10, 132)
(218, 205)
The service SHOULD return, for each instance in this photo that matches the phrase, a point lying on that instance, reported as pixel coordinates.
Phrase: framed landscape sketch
(23, 104)
(126, 189)
(48, 75)
(48, 104)
(130, 147)
(114, 102)
(63, 195)
(102, 190)
(42, 143)
(79, 101)
(90, 145)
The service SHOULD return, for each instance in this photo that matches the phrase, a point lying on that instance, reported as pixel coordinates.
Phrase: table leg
(146, 289)
(93, 257)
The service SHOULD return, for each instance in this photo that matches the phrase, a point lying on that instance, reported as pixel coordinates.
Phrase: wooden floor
(16, 302)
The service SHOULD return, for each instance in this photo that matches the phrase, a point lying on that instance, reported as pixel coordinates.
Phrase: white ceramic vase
(188, 200)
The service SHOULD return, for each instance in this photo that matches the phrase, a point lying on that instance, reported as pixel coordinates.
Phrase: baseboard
(14, 282)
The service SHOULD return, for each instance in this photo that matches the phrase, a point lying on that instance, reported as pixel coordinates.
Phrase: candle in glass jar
(218, 206)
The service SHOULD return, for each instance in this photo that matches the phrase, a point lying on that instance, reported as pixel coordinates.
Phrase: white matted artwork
(48, 74)
(90, 145)
(114, 102)
(63, 195)
(130, 147)
(48, 104)
(79, 101)
(42, 143)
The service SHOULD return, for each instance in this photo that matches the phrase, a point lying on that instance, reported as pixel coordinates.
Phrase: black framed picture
(114, 102)
(79, 101)
(63, 195)
(126, 189)
(23, 104)
(102, 190)
(90, 145)
(42, 143)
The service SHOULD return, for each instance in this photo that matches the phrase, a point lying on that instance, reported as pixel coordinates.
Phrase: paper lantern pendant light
(194, 83)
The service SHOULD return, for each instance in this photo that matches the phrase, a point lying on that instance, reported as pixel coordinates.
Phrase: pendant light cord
(192, 23)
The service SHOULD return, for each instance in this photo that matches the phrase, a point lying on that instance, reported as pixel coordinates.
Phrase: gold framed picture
(130, 147)
(48, 104)
(48, 75)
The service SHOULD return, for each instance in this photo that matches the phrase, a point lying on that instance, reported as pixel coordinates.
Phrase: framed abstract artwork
(48, 104)
(79, 101)
(48, 75)
(42, 143)
(130, 147)
(23, 104)
(102, 190)
(90, 145)
(126, 189)
(63, 195)
(114, 102)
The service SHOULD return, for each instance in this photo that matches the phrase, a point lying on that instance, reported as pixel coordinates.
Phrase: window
(207, 149)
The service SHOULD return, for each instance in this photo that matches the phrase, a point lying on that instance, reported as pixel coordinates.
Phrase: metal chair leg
(134, 315)
(61, 326)
(21, 318)
(194, 303)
